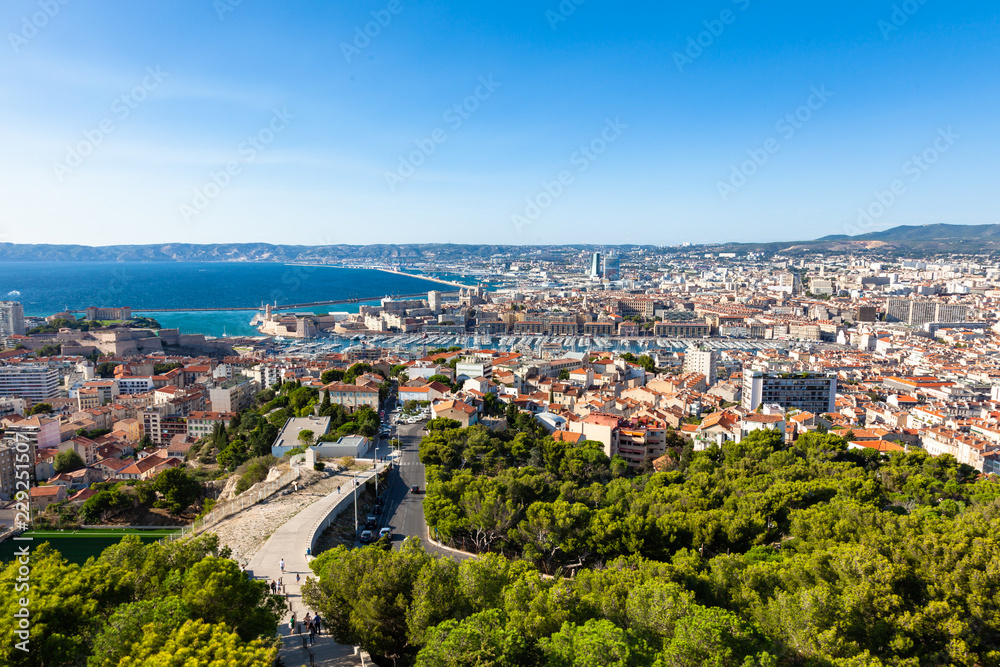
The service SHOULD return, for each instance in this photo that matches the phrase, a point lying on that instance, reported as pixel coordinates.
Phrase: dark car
(371, 521)
(367, 537)
(415, 488)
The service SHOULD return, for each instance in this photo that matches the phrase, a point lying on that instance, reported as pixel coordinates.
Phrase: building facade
(11, 319)
(36, 383)
(704, 362)
(812, 392)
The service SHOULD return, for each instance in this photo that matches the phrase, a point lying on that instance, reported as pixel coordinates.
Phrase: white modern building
(704, 362)
(36, 383)
(11, 319)
(812, 392)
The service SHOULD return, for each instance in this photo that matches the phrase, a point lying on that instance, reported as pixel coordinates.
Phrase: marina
(416, 345)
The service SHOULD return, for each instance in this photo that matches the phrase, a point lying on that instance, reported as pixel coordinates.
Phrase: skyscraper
(11, 318)
(612, 267)
(595, 265)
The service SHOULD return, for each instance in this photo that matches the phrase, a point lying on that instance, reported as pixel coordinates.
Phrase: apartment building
(11, 319)
(682, 329)
(704, 362)
(33, 382)
(42, 432)
(134, 385)
(201, 424)
(234, 395)
(812, 392)
(914, 312)
(599, 328)
(9, 458)
(352, 396)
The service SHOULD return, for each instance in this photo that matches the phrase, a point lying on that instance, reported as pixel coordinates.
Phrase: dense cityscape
(611, 366)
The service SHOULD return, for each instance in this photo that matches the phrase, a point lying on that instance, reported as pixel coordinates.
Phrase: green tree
(41, 409)
(597, 643)
(132, 622)
(481, 640)
(178, 489)
(199, 643)
(67, 461)
(331, 375)
(217, 591)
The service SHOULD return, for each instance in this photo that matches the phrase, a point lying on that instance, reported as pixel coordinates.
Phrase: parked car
(367, 537)
(371, 521)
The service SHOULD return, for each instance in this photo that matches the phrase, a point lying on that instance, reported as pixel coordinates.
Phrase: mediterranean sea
(45, 288)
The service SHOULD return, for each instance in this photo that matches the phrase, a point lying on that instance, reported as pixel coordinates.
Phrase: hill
(903, 240)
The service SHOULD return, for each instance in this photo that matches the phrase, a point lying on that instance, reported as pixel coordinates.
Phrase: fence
(246, 499)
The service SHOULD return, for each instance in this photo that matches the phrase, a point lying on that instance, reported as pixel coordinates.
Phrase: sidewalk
(289, 542)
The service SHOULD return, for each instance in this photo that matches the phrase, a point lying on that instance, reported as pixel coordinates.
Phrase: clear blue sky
(676, 121)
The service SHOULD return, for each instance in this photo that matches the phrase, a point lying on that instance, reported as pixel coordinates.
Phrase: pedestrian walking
(274, 587)
(338, 488)
(296, 577)
(281, 564)
(291, 622)
(312, 634)
(308, 618)
(319, 624)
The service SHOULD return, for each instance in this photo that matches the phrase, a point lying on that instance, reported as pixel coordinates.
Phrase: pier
(287, 306)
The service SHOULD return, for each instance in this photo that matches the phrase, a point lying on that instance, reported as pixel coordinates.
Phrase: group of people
(310, 626)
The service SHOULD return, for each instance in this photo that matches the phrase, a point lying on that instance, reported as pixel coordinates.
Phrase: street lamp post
(355, 504)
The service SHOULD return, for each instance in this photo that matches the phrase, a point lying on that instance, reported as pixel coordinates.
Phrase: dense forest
(747, 554)
(155, 605)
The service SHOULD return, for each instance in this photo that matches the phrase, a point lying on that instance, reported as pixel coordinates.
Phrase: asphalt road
(404, 509)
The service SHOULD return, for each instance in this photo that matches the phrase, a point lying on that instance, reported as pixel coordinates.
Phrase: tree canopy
(753, 553)
(175, 603)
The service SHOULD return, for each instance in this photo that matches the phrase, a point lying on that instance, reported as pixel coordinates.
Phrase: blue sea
(45, 288)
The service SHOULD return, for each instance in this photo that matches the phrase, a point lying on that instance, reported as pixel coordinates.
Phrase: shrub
(253, 472)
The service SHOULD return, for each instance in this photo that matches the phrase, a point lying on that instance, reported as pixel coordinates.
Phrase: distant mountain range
(927, 239)
(907, 240)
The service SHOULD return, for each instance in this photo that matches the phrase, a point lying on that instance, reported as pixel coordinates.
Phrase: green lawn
(79, 545)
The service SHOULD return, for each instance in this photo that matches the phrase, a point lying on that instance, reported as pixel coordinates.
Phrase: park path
(289, 543)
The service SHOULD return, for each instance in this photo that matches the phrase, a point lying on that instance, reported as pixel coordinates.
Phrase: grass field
(79, 545)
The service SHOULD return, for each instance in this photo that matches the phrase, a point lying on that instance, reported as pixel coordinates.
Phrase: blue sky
(596, 122)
